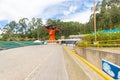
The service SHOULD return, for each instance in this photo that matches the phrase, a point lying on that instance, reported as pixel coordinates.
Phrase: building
(79, 37)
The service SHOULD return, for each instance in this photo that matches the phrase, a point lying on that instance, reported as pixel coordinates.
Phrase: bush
(1, 39)
(102, 36)
(106, 40)
(82, 44)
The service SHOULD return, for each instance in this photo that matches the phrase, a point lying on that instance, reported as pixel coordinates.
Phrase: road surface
(43, 62)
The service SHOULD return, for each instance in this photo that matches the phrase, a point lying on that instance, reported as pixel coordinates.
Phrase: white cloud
(16, 9)
(71, 10)
(82, 17)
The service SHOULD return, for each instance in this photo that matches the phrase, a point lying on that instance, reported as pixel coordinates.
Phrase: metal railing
(106, 44)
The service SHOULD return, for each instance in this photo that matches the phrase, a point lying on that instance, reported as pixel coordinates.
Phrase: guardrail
(108, 44)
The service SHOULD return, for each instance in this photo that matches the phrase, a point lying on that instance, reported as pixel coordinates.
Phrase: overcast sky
(66, 10)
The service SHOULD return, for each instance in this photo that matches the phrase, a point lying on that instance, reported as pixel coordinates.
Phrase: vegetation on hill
(108, 17)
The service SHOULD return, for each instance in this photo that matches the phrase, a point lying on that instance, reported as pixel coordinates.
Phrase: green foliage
(102, 36)
(107, 18)
(103, 44)
(35, 29)
(81, 44)
(104, 40)
(1, 39)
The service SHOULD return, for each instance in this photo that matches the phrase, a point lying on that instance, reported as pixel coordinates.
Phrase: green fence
(15, 44)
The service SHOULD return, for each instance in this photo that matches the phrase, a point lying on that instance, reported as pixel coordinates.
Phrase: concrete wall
(95, 56)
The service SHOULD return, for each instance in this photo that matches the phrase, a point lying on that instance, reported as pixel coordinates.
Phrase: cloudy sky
(66, 10)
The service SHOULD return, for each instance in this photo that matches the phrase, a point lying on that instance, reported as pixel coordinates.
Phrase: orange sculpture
(52, 31)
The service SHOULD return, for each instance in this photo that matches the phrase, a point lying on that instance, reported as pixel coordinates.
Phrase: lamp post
(95, 37)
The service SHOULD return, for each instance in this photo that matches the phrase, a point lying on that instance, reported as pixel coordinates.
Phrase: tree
(9, 30)
(39, 25)
(23, 23)
(34, 27)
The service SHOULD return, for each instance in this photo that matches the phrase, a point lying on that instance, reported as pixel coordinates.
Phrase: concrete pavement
(43, 62)
(23, 63)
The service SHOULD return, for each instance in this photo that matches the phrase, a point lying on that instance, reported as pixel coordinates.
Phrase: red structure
(52, 31)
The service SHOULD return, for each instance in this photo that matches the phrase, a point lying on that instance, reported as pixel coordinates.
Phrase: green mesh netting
(15, 44)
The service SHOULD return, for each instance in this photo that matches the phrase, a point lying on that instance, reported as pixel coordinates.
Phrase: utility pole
(95, 37)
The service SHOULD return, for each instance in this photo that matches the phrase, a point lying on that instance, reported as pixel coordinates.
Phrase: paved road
(44, 62)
